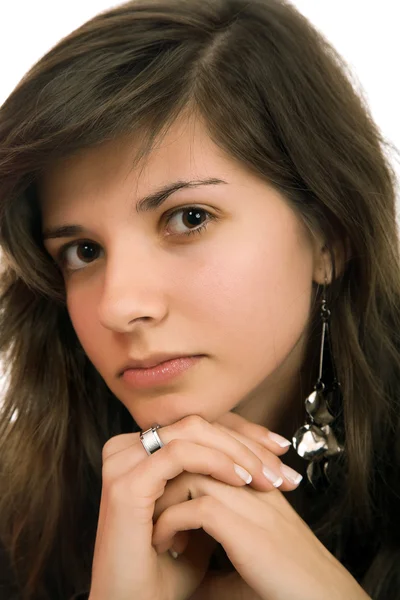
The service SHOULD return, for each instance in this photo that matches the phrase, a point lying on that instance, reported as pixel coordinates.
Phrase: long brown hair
(277, 97)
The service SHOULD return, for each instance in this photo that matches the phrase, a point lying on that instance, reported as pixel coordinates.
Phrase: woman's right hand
(125, 564)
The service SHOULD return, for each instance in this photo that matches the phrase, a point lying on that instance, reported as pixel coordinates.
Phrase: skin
(240, 292)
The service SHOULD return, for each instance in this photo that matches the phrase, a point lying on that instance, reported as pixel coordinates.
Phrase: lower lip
(144, 378)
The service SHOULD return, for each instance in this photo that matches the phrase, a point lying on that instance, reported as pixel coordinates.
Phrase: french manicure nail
(278, 439)
(243, 474)
(290, 474)
(272, 477)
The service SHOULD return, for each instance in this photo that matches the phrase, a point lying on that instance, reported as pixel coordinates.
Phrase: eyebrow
(147, 204)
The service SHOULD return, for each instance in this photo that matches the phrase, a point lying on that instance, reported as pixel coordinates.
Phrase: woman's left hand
(272, 549)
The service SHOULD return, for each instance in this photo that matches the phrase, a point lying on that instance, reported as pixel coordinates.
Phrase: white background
(365, 32)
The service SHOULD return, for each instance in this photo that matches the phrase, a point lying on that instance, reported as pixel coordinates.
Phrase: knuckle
(108, 449)
(108, 475)
(193, 422)
(116, 444)
(122, 490)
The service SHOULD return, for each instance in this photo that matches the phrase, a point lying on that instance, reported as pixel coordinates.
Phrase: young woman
(197, 185)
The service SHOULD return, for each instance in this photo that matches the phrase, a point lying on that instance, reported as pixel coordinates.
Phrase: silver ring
(151, 440)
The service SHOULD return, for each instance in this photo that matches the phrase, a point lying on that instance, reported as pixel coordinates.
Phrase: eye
(193, 217)
(87, 251)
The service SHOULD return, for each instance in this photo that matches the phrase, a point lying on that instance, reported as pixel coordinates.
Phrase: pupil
(87, 251)
(195, 215)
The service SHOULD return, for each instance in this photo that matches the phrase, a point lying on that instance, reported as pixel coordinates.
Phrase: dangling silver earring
(315, 441)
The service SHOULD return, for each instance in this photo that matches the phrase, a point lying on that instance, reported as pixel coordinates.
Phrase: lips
(160, 375)
(152, 361)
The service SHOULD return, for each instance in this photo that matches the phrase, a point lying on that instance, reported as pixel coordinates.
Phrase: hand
(275, 554)
(257, 438)
(125, 563)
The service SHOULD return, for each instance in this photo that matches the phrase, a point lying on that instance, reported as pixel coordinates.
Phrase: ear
(323, 264)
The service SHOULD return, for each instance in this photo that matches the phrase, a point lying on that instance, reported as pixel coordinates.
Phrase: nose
(132, 290)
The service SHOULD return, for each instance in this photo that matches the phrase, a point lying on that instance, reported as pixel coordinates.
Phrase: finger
(265, 476)
(253, 441)
(180, 542)
(257, 550)
(177, 491)
(290, 477)
(187, 486)
(128, 502)
(226, 527)
(260, 508)
(185, 455)
(118, 444)
(264, 436)
(124, 452)
(198, 547)
(174, 459)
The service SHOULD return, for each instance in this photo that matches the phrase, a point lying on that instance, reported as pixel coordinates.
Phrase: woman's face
(238, 292)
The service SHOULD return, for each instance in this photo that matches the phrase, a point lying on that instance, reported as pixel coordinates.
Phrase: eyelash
(61, 254)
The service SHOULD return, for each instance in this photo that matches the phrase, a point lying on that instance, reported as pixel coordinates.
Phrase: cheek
(84, 320)
(257, 300)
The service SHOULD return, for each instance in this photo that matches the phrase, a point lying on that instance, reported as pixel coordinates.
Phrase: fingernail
(173, 553)
(243, 474)
(272, 477)
(278, 439)
(290, 474)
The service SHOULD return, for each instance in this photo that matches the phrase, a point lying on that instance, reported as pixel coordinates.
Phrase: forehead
(186, 151)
